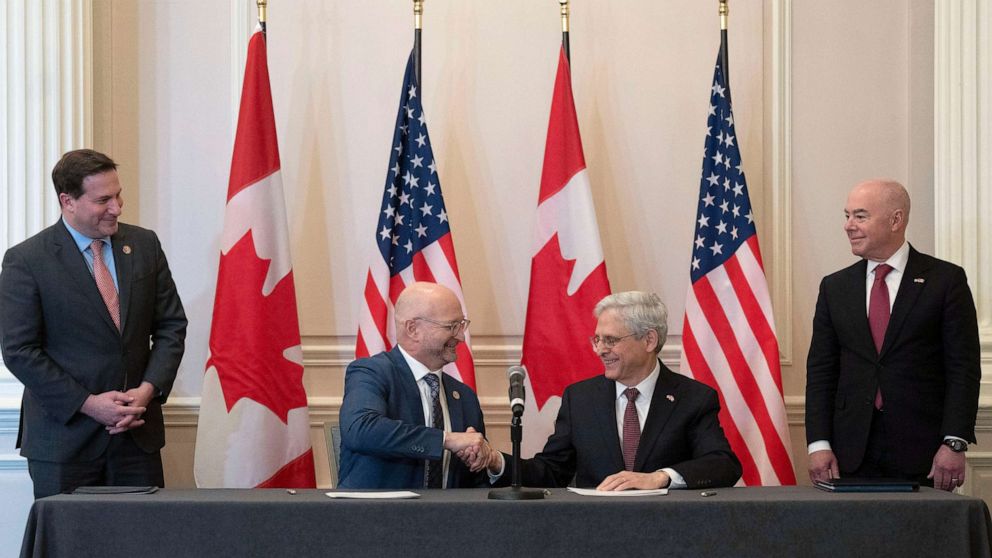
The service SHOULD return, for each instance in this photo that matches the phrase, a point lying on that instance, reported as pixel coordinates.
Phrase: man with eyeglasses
(637, 426)
(403, 420)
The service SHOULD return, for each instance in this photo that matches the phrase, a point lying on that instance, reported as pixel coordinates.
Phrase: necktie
(631, 429)
(435, 469)
(105, 283)
(878, 314)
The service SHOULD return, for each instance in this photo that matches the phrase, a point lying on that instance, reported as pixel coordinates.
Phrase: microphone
(516, 375)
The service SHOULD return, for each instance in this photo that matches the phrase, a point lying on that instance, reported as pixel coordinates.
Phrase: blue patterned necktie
(435, 469)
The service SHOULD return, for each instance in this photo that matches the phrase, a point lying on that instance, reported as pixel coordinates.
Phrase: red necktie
(105, 283)
(878, 314)
(631, 429)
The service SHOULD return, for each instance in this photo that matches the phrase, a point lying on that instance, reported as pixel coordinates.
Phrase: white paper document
(594, 492)
(397, 495)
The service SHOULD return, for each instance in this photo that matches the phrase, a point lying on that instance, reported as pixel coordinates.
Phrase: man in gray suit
(92, 325)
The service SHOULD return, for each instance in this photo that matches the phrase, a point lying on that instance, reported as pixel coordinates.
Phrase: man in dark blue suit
(402, 418)
(92, 325)
(893, 372)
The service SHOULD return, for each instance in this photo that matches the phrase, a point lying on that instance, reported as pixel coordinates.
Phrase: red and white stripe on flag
(254, 428)
(728, 335)
(568, 272)
(413, 237)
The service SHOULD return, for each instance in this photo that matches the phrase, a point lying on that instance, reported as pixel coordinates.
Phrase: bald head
(423, 314)
(890, 193)
(876, 217)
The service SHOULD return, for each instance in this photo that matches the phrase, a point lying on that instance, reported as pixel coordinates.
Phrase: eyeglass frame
(454, 328)
(607, 344)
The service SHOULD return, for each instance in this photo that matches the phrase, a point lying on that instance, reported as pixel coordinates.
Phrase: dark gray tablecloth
(787, 521)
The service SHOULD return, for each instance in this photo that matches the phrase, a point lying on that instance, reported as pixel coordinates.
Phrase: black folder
(853, 484)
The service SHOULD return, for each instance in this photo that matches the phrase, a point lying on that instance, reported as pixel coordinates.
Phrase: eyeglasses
(453, 327)
(607, 342)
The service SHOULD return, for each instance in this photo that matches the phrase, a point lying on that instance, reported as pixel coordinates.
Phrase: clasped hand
(471, 447)
(119, 411)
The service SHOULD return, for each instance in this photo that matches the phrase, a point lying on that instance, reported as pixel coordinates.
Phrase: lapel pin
(126, 249)
(456, 395)
(670, 397)
(919, 280)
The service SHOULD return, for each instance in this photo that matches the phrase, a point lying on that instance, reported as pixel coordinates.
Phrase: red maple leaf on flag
(251, 332)
(558, 354)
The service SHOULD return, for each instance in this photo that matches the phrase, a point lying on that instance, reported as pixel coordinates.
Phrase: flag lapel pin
(670, 397)
(919, 280)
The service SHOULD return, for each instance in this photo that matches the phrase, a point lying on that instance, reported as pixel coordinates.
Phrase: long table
(739, 522)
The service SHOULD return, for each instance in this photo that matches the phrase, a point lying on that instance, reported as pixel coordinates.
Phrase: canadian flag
(567, 274)
(254, 429)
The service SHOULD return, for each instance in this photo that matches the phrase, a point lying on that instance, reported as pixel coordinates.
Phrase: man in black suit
(893, 372)
(639, 425)
(92, 325)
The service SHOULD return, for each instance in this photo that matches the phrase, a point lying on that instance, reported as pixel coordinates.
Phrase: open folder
(853, 484)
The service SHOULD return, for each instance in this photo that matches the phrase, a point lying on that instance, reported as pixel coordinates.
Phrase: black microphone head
(516, 370)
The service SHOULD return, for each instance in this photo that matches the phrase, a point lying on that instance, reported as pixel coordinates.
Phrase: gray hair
(640, 311)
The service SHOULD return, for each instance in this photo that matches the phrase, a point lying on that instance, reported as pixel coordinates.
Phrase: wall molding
(962, 158)
(780, 274)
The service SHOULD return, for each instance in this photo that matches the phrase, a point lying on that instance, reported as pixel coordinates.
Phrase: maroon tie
(631, 429)
(878, 314)
(105, 283)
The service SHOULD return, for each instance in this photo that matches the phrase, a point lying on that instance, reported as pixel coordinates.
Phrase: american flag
(728, 337)
(413, 236)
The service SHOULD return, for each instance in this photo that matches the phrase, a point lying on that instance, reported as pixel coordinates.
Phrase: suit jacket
(384, 442)
(58, 339)
(928, 368)
(682, 431)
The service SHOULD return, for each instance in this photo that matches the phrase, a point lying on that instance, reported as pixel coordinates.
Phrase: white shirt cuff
(818, 445)
(493, 477)
(676, 480)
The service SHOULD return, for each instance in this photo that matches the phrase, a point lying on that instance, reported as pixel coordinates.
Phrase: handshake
(474, 450)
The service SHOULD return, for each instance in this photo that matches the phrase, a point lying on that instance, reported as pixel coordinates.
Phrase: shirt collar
(82, 241)
(646, 387)
(897, 261)
(417, 367)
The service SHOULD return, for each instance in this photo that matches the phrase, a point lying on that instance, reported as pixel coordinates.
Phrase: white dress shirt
(419, 372)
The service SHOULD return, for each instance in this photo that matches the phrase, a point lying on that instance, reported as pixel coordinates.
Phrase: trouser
(123, 464)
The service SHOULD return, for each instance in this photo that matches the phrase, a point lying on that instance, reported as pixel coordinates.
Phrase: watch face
(956, 445)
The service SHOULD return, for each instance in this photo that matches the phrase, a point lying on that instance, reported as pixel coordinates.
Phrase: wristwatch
(956, 445)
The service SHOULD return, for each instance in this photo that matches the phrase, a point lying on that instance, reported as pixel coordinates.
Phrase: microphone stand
(516, 491)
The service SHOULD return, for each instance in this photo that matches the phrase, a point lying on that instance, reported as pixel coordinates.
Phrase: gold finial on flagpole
(564, 15)
(261, 10)
(418, 13)
(724, 11)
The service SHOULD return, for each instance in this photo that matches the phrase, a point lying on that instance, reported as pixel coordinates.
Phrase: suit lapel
(453, 398)
(856, 284)
(663, 402)
(605, 413)
(414, 412)
(909, 292)
(122, 261)
(66, 252)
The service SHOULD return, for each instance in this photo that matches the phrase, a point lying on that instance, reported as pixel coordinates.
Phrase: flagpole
(418, 13)
(724, 58)
(564, 29)
(261, 4)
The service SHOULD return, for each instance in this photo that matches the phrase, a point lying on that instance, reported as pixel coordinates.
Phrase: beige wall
(857, 79)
